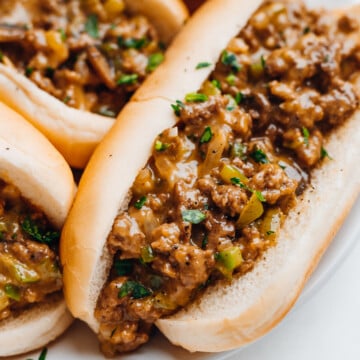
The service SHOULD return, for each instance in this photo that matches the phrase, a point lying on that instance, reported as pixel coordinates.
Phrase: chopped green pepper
(228, 172)
(16, 270)
(147, 254)
(12, 292)
(228, 260)
(251, 211)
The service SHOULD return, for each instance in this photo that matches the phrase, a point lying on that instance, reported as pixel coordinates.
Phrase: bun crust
(226, 316)
(126, 149)
(31, 163)
(75, 133)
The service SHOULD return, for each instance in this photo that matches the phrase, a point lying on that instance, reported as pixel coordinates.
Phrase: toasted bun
(226, 316)
(31, 163)
(75, 133)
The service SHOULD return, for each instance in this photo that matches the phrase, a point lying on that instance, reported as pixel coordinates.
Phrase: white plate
(79, 343)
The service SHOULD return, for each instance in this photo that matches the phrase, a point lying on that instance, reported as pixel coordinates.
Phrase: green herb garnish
(43, 354)
(124, 267)
(196, 97)
(325, 154)
(28, 71)
(133, 289)
(193, 216)
(140, 203)
(204, 242)
(38, 234)
(239, 97)
(62, 35)
(127, 79)
(259, 156)
(202, 65)
(206, 135)
(259, 195)
(229, 59)
(177, 107)
(306, 135)
(1, 56)
(132, 43)
(154, 61)
(216, 83)
(92, 26)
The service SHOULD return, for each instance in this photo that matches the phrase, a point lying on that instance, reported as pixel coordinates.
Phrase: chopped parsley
(160, 146)
(177, 107)
(270, 232)
(306, 30)
(206, 135)
(306, 135)
(38, 234)
(128, 79)
(204, 242)
(133, 289)
(140, 203)
(28, 71)
(193, 216)
(259, 195)
(92, 26)
(202, 65)
(263, 61)
(259, 156)
(43, 354)
(196, 97)
(229, 59)
(236, 181)
(325, 154)
(154, 61)
(239, 97)
(124, 267)
(132, 43)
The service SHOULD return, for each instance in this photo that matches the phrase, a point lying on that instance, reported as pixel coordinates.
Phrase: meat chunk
(127, 237)
(273, 183)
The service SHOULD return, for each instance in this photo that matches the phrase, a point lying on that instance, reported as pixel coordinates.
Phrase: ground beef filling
(29, 266)
(218, 186)
(92, 55)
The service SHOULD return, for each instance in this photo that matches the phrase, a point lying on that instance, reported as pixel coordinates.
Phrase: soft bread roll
(226, 316)
(126, 149)
(75, 133)
(31, 163)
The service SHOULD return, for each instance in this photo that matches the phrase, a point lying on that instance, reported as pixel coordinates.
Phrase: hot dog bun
(226, 316)
(31, 163)
(75, 133)
(118, 159)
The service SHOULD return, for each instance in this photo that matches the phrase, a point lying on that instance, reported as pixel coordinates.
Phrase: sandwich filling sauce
(29, 264)
(90, 54)
(219, 185)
